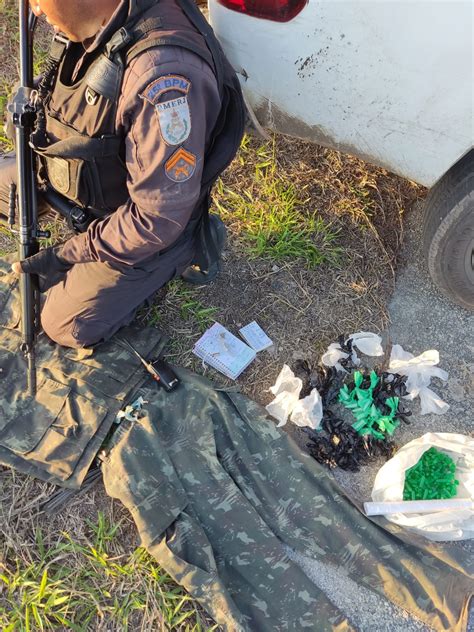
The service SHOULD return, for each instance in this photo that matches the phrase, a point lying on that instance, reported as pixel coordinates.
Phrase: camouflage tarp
(216, 490)
(56, 436)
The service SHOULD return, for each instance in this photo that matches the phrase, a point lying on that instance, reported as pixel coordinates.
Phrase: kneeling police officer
(139, 113)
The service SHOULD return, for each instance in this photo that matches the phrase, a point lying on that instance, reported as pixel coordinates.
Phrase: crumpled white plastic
(334, 353)
(308, 411)
(419, 371)
(367, 342)
(287, 388)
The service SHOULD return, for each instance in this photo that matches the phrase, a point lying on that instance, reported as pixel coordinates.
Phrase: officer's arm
(173, 113)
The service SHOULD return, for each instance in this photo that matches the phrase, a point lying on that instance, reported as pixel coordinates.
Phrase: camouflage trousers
(216, 491)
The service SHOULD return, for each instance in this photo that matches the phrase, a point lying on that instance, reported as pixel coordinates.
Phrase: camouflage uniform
(215, 489)
(80, 391)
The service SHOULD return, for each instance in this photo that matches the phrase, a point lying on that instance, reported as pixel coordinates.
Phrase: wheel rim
(469, 261)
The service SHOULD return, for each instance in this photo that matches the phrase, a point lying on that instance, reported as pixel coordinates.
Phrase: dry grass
(302, 307)
(355, 217)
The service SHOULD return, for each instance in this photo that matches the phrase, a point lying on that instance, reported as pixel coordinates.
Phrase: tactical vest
(82, 155)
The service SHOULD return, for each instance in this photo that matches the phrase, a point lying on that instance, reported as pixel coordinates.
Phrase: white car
(388, 81)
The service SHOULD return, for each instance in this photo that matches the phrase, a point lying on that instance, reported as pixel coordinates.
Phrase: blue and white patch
(167, 83)
(174, 119)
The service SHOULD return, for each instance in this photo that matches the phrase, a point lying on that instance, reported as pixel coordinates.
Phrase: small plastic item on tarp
(255, 337)
(131, 412)
(440, 526)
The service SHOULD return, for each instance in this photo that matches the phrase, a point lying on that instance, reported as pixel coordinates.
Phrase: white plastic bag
(302, 412)
(287, 390)
(438, 526)
(419, 371)
(334, 353)
(308, 411)
(368, 343)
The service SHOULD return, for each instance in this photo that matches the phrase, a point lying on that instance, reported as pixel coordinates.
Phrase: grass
(9, 42)
(82, 585)
(5, 92)
(189, 306)
(88, 583)
(272, 217)
(182, 300)
(7, 241)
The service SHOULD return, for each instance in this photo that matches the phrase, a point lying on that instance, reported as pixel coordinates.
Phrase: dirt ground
(420, 318)
(302, 308)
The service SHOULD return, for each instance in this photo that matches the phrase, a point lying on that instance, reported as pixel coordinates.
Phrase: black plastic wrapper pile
(336, 443)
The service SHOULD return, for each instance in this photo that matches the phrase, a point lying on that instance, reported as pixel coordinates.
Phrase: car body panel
(388, 81)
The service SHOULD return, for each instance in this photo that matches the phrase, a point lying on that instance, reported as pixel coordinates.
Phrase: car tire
(448, 232)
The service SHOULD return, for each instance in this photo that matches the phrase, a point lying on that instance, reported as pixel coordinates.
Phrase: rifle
(23, 196)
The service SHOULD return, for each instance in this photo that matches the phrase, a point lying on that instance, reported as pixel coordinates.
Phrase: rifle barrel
(23, 119)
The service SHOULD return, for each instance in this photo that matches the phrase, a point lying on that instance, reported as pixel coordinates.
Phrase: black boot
(217, 232)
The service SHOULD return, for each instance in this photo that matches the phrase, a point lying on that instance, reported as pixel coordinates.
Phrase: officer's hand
(8, 127)
(47, 264)
(35, 7)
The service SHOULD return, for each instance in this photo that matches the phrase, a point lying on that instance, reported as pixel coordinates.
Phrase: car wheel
(448, 232)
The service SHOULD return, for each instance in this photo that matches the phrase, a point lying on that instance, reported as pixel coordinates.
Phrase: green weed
(9, 14)
(73, 585)
(5, 143)
(271, 217)
(154, 315)
(181, 297)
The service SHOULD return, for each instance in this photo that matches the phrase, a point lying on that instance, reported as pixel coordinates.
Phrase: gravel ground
(421, 318)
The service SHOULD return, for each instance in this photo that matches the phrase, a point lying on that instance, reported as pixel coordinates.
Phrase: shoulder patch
(174, 117)
(167, 83)
(181, 166)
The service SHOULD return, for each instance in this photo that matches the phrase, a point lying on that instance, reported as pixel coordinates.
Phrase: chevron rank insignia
(181, 166)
